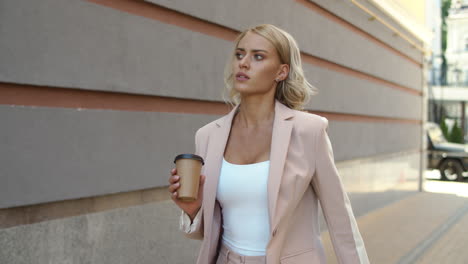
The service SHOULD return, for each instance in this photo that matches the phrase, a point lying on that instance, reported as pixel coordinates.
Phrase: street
(427, 227)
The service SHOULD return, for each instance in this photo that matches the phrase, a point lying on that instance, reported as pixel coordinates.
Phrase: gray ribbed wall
(98, 48)
(75, 44)
(315, 34)
(56, 154)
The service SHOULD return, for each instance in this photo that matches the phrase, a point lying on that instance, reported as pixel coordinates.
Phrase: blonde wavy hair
(295, 91)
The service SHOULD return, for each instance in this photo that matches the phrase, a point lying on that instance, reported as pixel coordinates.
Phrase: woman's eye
(239, 56)
(258, 57)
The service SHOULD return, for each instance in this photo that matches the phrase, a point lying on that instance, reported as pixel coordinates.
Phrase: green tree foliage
(444, 13)
(456, 135)
(444, 128)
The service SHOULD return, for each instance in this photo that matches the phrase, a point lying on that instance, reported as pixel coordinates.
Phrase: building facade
(457, 44)
(449, 99)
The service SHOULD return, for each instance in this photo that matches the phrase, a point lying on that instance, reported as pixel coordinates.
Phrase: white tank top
(242, 194)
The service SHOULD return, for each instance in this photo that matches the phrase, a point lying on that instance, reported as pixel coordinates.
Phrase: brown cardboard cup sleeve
(189, 169)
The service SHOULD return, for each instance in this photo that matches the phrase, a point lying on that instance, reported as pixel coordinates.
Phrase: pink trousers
(227, 256)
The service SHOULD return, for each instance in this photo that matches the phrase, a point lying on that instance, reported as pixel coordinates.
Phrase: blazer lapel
(282, 127)
(213, 161)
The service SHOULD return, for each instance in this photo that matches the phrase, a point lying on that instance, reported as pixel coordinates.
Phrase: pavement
(426, 227)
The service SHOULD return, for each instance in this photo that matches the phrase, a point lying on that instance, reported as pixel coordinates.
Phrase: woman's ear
(283, 72)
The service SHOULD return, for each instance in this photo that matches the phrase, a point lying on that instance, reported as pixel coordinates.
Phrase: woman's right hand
(191, 208)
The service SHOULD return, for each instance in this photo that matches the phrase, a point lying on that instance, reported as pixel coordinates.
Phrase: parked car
(451, 159)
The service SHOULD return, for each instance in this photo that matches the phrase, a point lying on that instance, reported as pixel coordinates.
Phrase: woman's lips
(242, 76)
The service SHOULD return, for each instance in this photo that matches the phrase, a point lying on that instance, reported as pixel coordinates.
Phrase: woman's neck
(253, 112)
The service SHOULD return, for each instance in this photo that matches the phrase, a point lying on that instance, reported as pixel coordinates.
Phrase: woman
(267, 165)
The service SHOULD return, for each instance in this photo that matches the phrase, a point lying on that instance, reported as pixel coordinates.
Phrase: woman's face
(256, 65)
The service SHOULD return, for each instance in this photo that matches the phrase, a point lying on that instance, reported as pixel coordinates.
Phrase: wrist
(193, 214)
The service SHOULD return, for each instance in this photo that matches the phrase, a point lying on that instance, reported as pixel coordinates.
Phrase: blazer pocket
(305, 256)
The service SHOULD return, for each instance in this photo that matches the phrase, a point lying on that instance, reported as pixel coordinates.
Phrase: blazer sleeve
(193, 230)
(347, 241)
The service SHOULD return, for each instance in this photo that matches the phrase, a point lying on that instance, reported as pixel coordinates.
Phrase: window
(466, 78)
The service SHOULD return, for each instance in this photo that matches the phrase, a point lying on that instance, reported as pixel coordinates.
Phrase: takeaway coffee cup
(189, 169)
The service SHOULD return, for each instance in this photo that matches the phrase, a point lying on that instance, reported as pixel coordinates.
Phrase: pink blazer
(302, 173)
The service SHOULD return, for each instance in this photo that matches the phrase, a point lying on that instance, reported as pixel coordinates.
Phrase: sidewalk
(423, 228)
